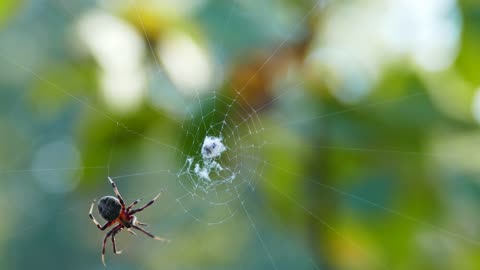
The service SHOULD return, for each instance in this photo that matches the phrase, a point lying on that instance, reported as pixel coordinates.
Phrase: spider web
(213, 191)
(218, 180)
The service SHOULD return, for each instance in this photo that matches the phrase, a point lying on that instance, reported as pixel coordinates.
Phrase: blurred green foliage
(355, 144)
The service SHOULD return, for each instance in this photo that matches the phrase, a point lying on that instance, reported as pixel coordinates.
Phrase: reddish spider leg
(143, 224)
(122, 203)
(151, 235)
(133, 204)
(146, 205)
(96, 222)
(117, 193)
(114, 231)
(130, 207)
(113, 242)
(128, 210)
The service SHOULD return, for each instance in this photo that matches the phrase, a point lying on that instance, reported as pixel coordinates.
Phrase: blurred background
(351, 130)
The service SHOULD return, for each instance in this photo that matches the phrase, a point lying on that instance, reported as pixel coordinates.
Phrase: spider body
(114, 211)
(109, 208)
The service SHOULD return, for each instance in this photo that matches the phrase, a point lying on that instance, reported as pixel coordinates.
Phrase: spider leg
(142, 224)
(95, 221)
(115, 189)
(114, 230)
(113, 242)
(150, 235)
(133, 204)
(146, 205)
(131, 231)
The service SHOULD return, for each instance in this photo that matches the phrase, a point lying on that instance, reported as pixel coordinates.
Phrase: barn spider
(113, 210)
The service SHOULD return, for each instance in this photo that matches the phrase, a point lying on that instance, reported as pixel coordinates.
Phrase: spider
(114, 211)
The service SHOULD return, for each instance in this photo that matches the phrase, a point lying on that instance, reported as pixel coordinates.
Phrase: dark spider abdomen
(109, 208)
